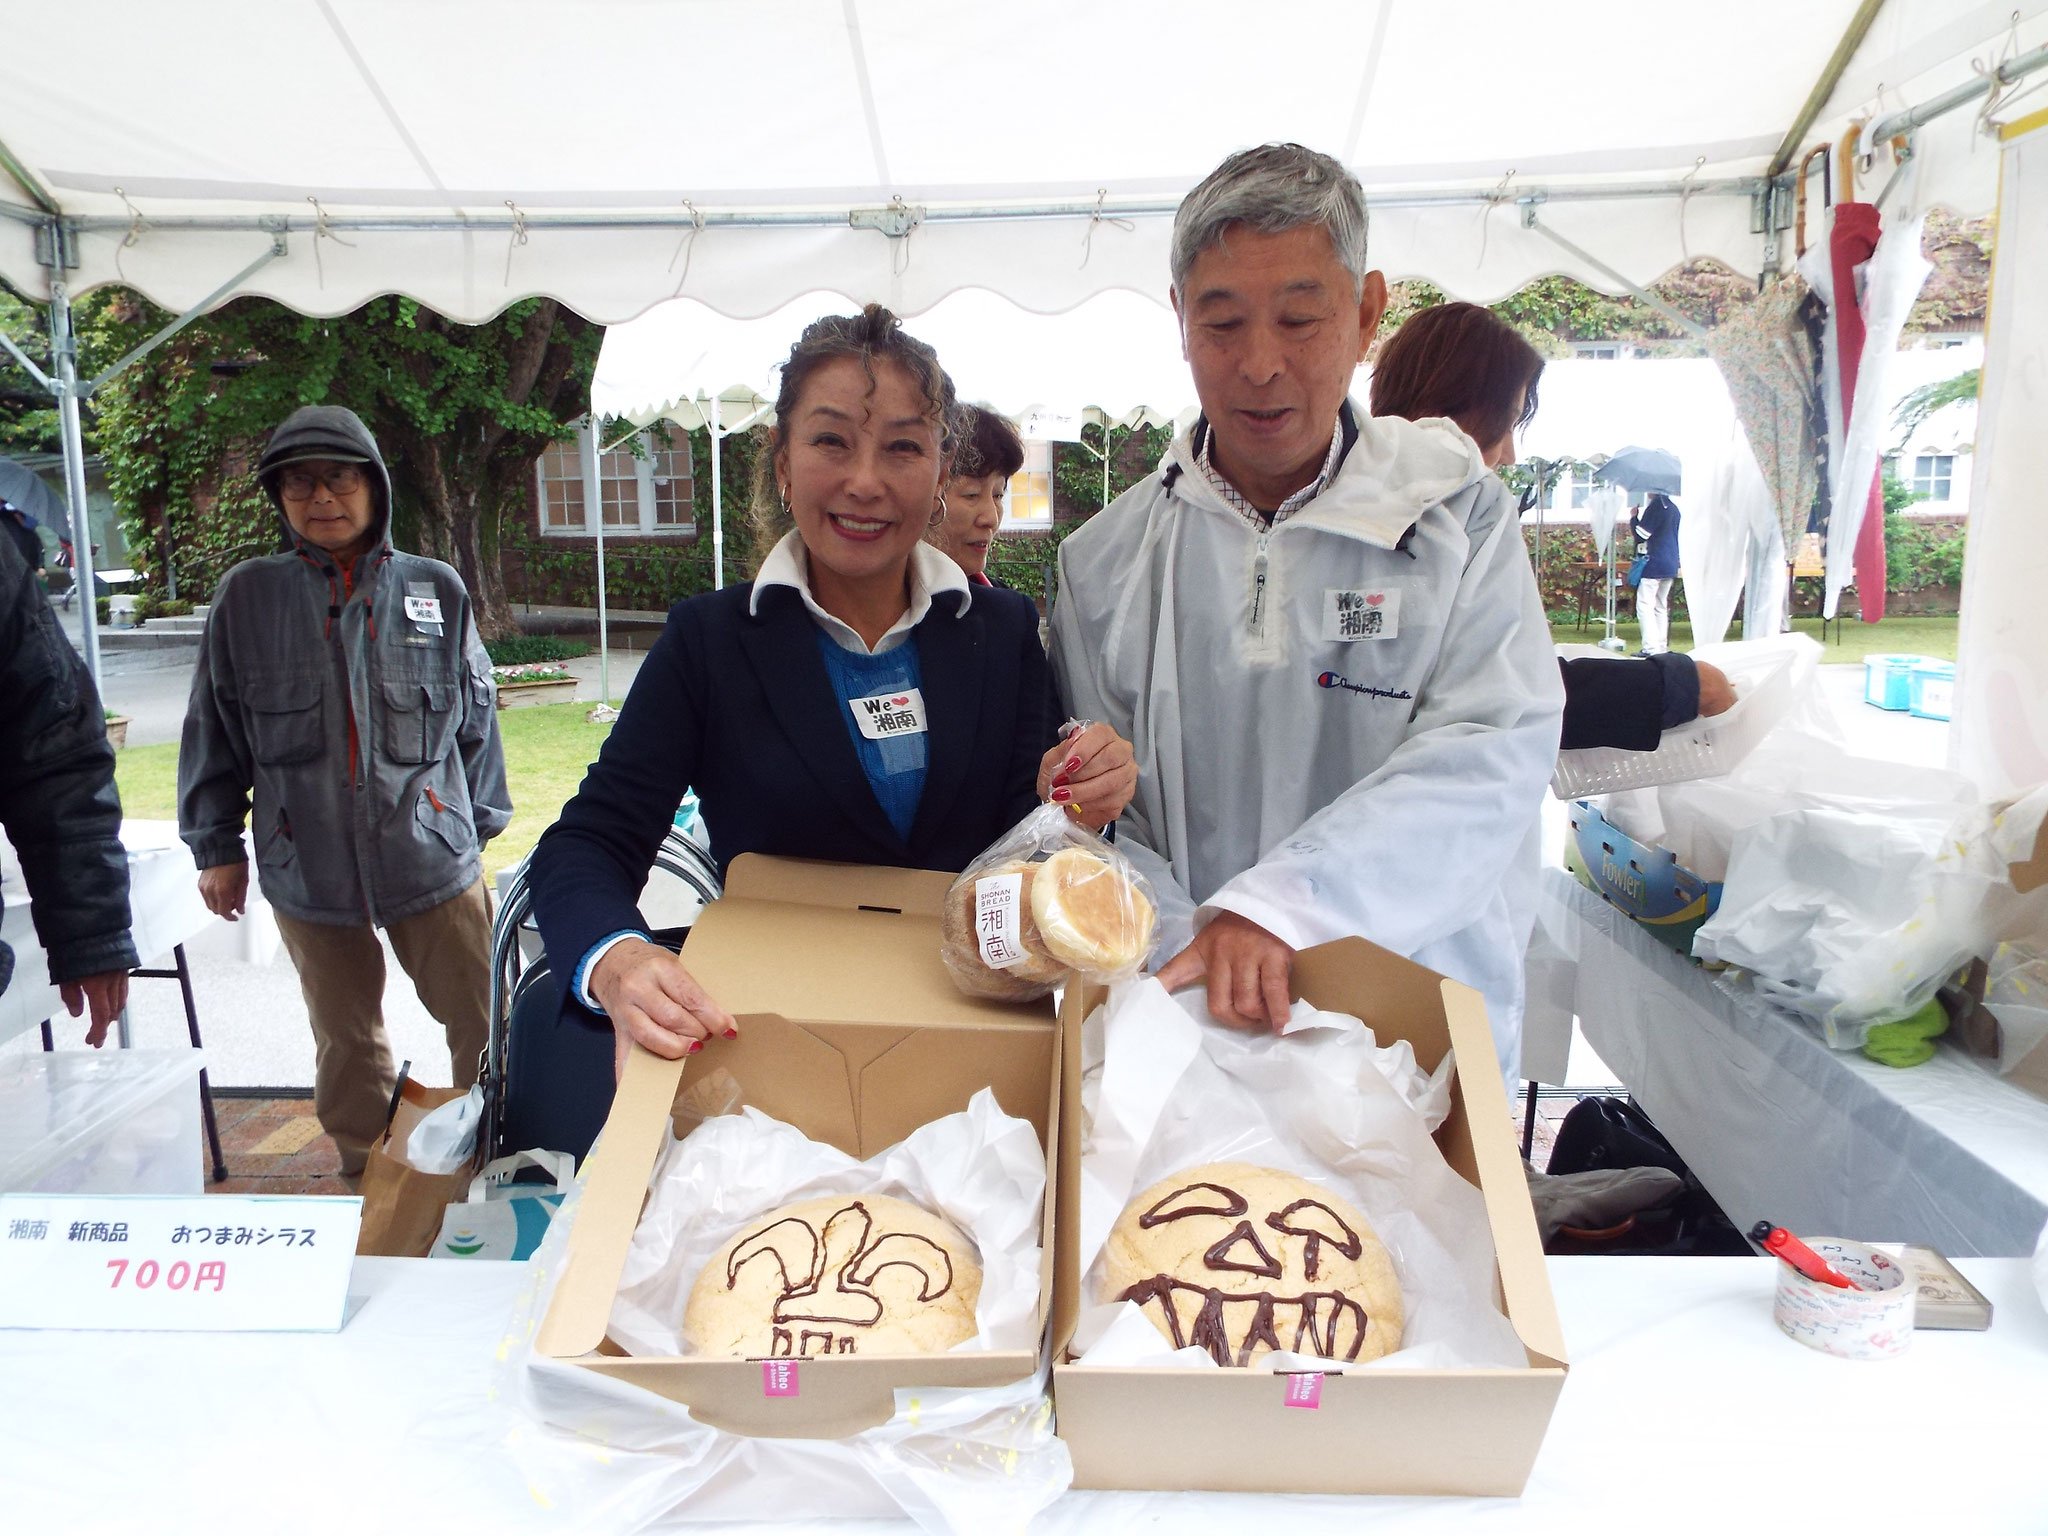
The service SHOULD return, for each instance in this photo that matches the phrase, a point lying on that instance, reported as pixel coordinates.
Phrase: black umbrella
(27, 492)
(1642, 471)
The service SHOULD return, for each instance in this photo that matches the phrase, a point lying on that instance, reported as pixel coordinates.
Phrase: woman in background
(987, 453)
(1656, 526)
(1465, 362)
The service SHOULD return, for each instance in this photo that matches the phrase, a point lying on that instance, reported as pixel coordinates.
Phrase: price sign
(210, 1264)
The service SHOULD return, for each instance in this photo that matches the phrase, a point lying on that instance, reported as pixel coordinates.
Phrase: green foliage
(1923, 402)
(1134, 452)
(520, 650)
(1897, 494)
(459, 411)
(1920, 554)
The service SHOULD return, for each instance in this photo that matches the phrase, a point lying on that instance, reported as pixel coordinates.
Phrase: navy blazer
(739, 705)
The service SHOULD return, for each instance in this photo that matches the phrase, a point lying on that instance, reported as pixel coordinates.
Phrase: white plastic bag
(445, 1138)
(2016, 993)
(1854, 914)
(1045, 899)
(619, 1459)
(1166, 1089)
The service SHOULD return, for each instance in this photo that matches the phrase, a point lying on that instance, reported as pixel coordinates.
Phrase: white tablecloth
(1686, 1410)
(1778, 1126)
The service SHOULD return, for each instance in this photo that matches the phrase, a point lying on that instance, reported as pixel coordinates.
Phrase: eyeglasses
(297, 484)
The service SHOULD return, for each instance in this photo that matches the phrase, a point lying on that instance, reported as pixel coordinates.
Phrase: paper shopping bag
(401, 1205)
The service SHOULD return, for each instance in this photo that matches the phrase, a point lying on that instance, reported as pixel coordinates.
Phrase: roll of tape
(1873, 1323)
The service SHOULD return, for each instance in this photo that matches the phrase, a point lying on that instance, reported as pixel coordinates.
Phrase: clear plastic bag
(1047, 899)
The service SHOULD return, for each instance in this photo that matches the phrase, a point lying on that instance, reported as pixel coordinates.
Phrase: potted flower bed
(117, 730)
(538, 682)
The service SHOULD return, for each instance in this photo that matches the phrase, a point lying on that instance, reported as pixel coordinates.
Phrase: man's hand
(1247, 968)
(225, 890)
(653, 1000)
(1093, 772)
(1717, 694)
(108, 995)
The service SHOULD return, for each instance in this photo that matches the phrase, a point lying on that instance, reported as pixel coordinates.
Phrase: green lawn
(1935, 637)
(546, 750)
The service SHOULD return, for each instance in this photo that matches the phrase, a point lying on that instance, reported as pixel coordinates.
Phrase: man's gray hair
(1272, 189)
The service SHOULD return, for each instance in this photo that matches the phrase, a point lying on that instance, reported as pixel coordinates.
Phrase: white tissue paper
(953, 1460)
(1165, 1088)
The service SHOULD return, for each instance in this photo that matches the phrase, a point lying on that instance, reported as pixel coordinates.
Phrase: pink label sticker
(1305, 1389)
(778, 1378)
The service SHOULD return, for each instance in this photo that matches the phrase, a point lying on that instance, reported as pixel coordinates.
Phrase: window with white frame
(1598, 351)
(560, 477)
(1583, 486)
(1027, 504)
(648, 492)
(1932, 474)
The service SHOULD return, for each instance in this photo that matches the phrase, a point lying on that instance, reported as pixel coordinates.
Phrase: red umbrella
(1852, 243)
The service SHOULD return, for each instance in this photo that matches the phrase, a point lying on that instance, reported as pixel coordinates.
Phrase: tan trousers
(446, 950)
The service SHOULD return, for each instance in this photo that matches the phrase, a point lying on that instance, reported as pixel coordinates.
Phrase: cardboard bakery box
(1374, 1431)
(851, 1030)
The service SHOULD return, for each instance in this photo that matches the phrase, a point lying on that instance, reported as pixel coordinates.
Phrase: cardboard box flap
(2032, 873)
(1517, 1245)
(856, 887)
(615, 1187)
(853, 966)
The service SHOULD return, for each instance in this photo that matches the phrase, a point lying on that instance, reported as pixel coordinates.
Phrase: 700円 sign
(211, 1263)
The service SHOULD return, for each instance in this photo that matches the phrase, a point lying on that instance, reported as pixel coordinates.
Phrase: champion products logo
(1339, 680)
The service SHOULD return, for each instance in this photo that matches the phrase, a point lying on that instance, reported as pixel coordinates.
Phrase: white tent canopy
(1115, 358)
(472, 152)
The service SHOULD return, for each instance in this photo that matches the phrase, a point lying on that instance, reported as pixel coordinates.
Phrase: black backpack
(1615, 1133)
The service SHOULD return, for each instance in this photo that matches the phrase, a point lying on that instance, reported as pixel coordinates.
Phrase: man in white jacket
(1319, 628)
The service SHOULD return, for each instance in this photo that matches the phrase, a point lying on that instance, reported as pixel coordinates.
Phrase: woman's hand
(1093, 773)
(653, 1000)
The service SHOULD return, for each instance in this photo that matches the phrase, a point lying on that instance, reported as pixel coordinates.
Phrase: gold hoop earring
(939, 516)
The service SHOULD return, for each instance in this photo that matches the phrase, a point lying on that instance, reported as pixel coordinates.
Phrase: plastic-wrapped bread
(975, 942)
(1090, 913)
(1048, 897)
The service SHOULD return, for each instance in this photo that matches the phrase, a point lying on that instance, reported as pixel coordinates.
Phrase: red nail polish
(693, 1047)
(1062, 796)
(1072, 764)
(1059, 781)
(732, 1034)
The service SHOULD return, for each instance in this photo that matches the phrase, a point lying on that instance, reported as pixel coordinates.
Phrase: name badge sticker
(885, 716)
(1362, 613)
(423, 610)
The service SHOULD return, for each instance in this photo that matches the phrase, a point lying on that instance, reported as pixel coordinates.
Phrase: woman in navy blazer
(857, 702)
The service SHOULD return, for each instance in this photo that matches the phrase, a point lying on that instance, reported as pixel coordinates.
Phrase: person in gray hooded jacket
(343, 686)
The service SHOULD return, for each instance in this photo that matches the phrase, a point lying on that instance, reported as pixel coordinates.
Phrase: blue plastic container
(1888, 680)
(1933, 689)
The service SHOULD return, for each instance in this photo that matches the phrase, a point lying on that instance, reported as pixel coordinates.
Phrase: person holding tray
(859, 701)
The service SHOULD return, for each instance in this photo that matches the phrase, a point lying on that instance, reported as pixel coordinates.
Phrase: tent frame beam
(837, 217)
(1982, 85)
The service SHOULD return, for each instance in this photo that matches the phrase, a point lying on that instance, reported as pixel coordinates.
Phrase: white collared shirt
(1241, 504)
(931, 572)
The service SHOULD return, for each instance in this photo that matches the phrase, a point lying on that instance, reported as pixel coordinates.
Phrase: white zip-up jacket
(1344, 724)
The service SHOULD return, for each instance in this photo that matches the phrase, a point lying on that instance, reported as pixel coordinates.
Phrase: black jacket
(1627, 701)
(57, 795)
(739, 705)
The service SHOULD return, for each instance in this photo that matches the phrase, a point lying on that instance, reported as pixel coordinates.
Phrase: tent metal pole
(717, 506)
(1824, 87)
(277, 249)
(64, 349)
(593, 517)
(1676, 316)
(840, 216)
(27, 363)
(1914, 117)
(27, 181)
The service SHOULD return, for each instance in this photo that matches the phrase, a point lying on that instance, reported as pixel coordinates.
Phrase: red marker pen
(1783, 1245)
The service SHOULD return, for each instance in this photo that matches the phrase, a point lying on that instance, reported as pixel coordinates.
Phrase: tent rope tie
(2001, 94)
(518, 238)
(1097, 216)
(1494, 199)
(322, 232)
(686, 248)
(136, 225)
